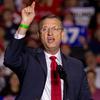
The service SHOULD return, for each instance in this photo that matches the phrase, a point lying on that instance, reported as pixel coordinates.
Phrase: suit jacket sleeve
(14, 57)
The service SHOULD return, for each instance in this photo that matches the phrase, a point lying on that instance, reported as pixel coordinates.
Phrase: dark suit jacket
(30, 66)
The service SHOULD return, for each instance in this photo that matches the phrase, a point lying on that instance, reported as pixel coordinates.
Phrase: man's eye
(44, 29)
(55, 29)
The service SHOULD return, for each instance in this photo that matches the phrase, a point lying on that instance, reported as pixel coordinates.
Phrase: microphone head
(63, 75)
(61, 72)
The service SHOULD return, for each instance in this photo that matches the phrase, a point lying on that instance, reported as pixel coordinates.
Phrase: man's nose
(50, 32)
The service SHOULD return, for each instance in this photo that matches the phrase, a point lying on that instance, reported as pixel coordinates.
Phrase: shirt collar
(58, 55)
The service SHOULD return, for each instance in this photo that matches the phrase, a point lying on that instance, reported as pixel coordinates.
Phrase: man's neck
(52, 52)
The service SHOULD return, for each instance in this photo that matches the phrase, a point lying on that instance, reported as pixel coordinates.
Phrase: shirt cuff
(19, 36)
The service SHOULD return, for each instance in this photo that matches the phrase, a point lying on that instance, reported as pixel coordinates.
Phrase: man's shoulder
(75, 66)
(74, 62)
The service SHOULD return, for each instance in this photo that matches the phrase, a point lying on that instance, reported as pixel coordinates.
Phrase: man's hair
(50, 16)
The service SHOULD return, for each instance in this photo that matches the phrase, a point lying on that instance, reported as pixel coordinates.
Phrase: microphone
(63, 75)
(61, 72)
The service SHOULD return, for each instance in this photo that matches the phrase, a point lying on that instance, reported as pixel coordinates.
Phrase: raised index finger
(33, 4)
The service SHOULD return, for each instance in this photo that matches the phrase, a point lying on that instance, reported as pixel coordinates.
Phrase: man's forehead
(51, 21)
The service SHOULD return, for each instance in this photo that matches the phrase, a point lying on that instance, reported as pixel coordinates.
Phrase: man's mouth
(50, 40)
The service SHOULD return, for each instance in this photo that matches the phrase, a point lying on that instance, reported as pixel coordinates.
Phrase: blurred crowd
(81, 21)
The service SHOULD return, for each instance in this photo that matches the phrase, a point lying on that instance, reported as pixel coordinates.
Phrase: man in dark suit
(46, 73)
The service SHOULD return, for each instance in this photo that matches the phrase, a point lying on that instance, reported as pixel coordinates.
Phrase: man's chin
(52, 48)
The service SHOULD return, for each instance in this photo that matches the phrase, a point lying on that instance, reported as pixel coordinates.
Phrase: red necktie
(55, 81)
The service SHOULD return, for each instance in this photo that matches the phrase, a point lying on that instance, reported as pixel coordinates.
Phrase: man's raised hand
(28, 14)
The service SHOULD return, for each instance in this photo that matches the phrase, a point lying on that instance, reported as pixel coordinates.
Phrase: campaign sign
(72, 35)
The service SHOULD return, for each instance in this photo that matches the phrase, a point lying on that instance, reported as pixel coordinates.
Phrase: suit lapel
(64, 63)
(66, 83)
(41, 59)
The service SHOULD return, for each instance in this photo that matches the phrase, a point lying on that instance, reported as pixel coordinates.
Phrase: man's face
(51, 33)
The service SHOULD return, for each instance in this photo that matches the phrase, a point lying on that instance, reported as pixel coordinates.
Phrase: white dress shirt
(47, 90)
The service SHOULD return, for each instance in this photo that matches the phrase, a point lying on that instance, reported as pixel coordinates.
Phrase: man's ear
(64, 36)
